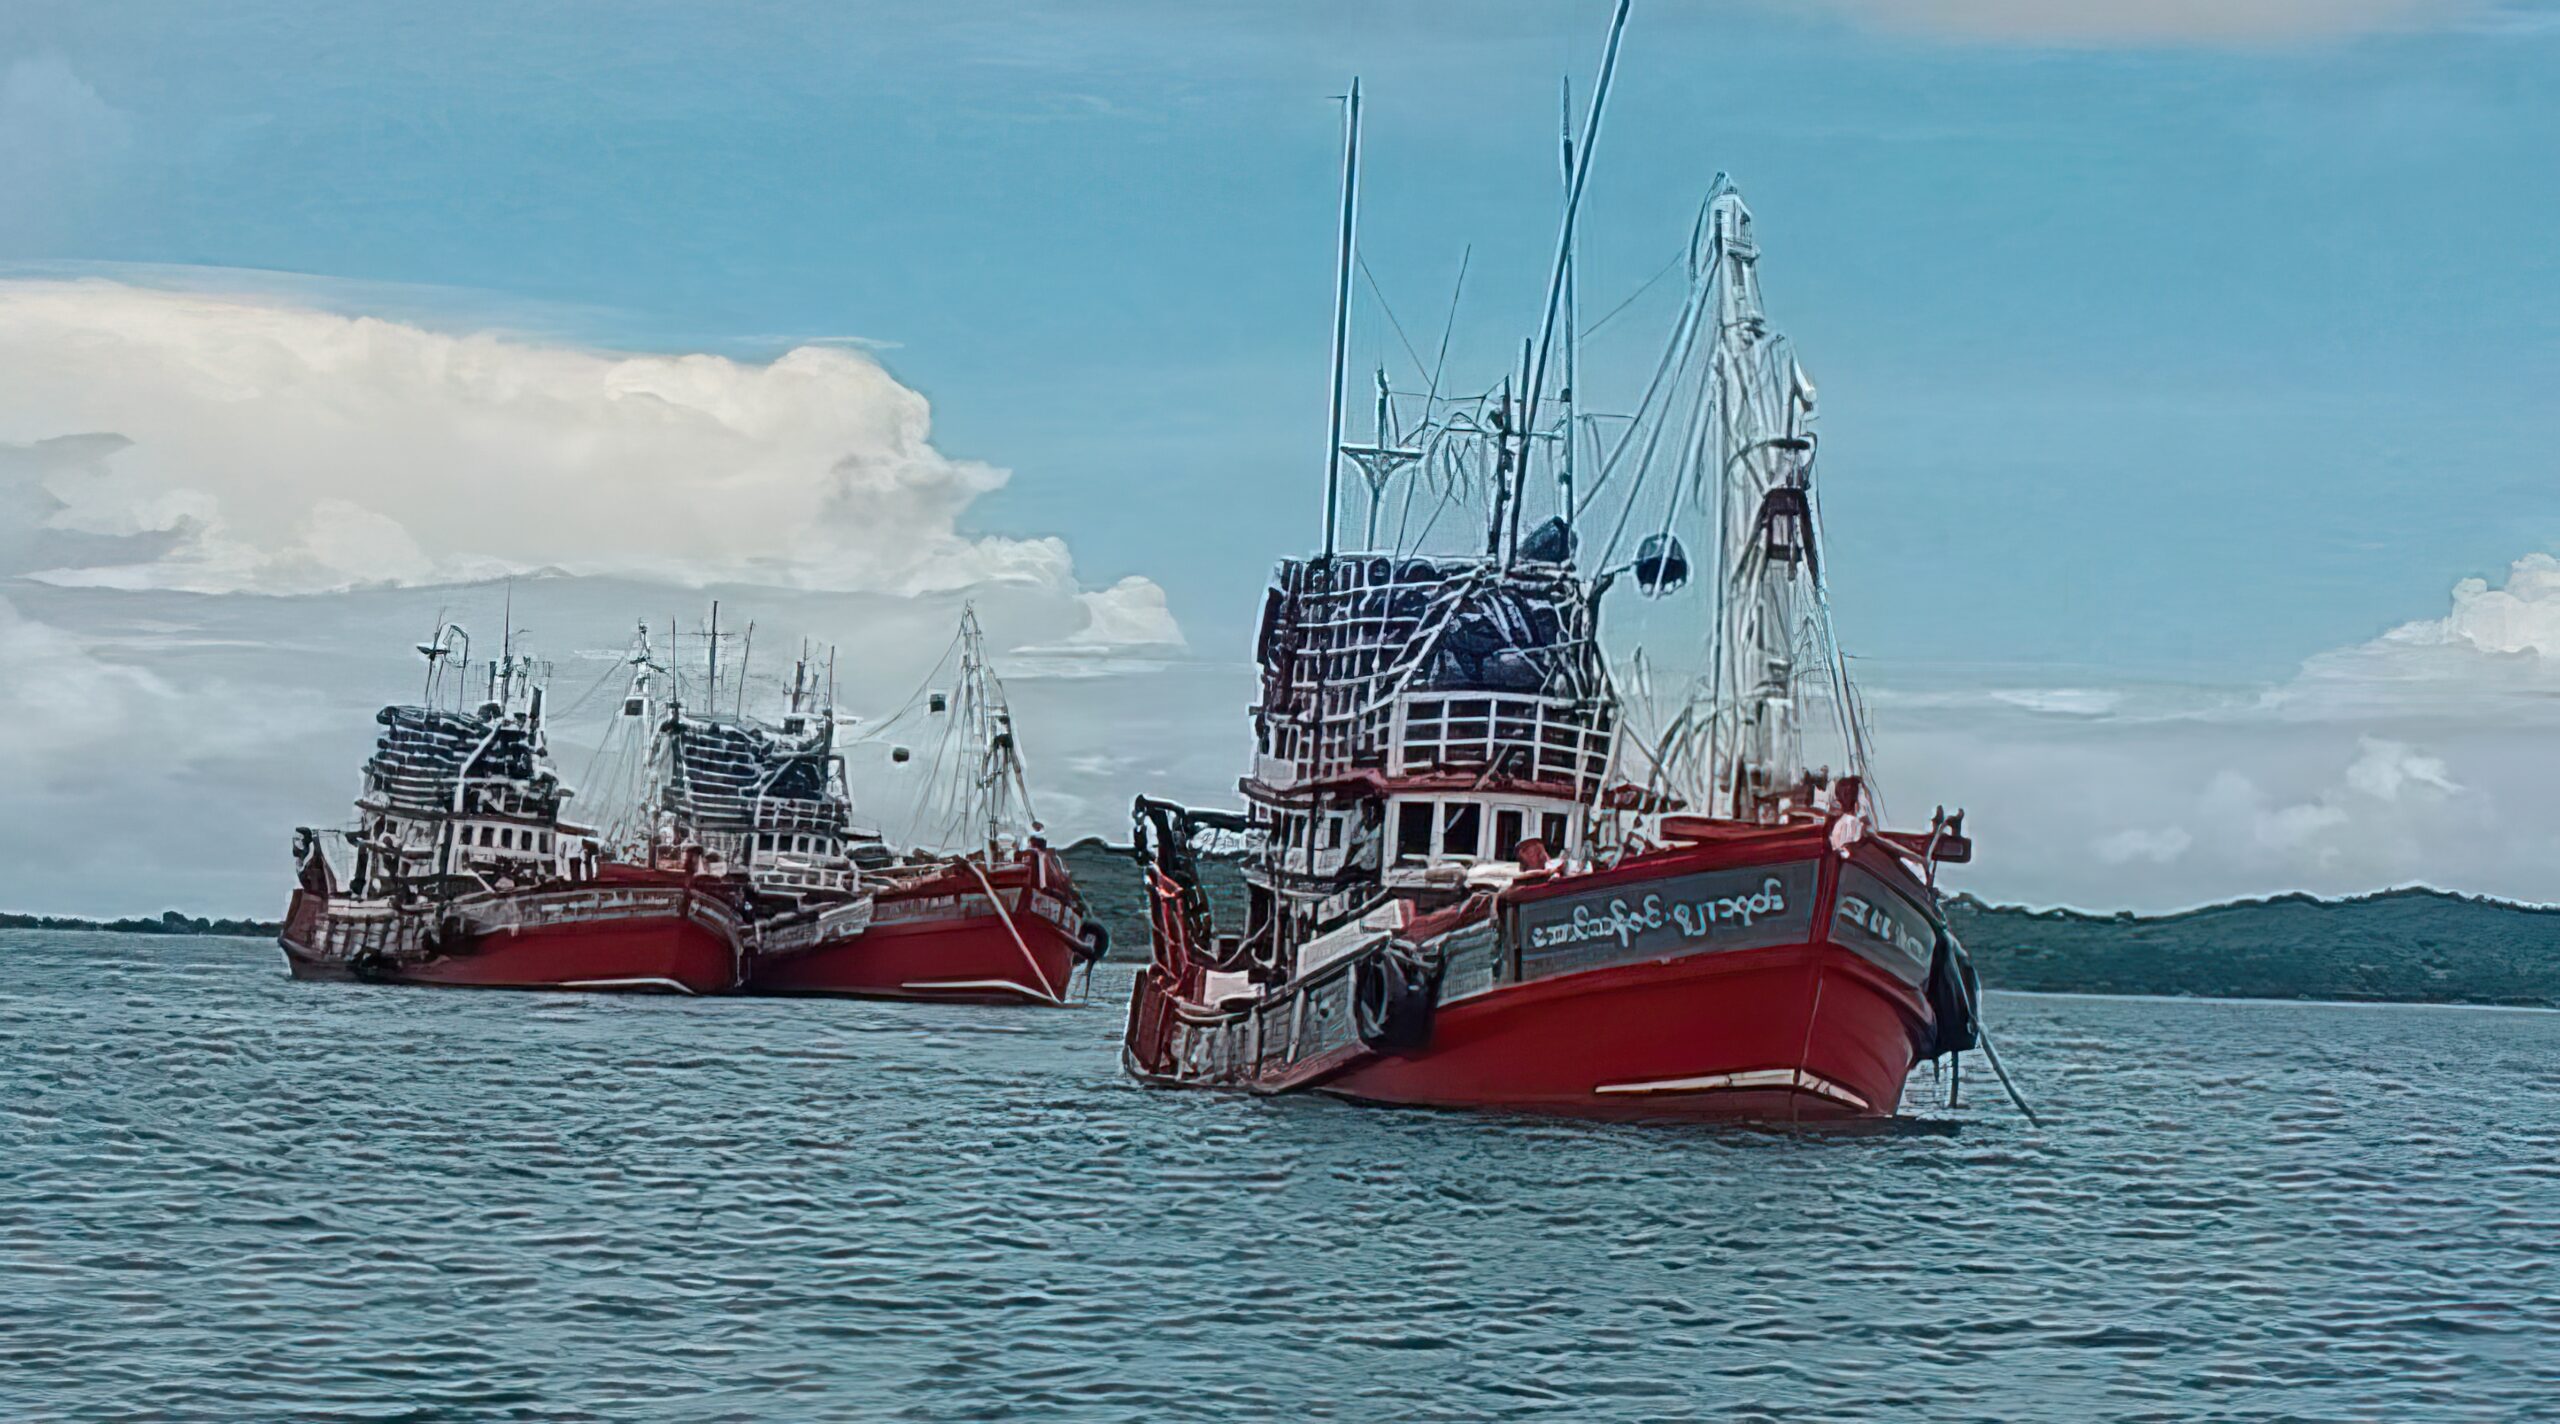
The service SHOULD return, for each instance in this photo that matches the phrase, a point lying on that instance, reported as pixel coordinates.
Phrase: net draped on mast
(1729, 421)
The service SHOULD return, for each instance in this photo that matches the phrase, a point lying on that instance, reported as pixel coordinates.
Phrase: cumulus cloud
(2154, 22)
(2417, 756)
(2523, 616)
(224, 518)
(1131, 612)
(276, 448)
(2494, 652)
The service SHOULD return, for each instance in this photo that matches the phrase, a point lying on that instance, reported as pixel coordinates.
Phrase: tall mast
(507, 650)
(711, 698)
(1342, 312)
(1572, 324)
(1510, 538)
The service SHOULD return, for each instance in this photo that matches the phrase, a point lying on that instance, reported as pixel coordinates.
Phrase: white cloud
(82, 723)
(2418, 756)
(2521, 617)
(277, 448)
(171, 461)
(2155, 22)
(61, 702)
(2387, 768)
(2062, 701)
(2371, 816)
(2158, 847)
(1131, 612)
(2494, 653)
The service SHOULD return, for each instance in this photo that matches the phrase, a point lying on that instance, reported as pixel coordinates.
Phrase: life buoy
(1393, 1001)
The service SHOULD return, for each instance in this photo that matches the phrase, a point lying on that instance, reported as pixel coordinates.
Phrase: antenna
(1556, 275)
(507, 645)
(1342, 311)
(1381, 458)
(712, 698)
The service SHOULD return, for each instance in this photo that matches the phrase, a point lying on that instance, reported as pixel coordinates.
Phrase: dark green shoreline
(2399, 946)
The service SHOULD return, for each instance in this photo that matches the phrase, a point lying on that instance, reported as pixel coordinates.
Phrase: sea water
(226, 1195)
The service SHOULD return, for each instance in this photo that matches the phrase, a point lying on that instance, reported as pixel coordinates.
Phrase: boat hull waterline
(669, 939)
(1806, 1015)
(1009, 938)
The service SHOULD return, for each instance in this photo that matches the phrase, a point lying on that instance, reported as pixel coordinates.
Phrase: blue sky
(2161, 348)
(2226, 354)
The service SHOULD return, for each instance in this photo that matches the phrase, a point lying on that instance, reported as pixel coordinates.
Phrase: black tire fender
(1094, 945)
(1393, 1001)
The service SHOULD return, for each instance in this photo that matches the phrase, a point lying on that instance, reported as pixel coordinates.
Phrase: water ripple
(230, 1196)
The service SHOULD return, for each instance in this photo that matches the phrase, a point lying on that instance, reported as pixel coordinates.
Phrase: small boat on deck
(1489, 868)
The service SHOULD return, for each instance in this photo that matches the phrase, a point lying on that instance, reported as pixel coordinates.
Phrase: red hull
(943, 938)
(1796, 1034)
(1670, 1022)
(684, 942)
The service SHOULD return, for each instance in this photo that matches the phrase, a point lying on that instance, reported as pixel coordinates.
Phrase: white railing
(1537, 738)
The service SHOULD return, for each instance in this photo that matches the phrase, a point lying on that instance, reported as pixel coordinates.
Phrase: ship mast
(1342, 313)
(985, 724)
(1524, 430)
(1570, 371)
(1773, 626)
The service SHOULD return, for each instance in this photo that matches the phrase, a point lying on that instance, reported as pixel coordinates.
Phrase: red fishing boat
(1000, 927)
(1481, 873)
(759, 807)
(462, 872)
(998, 922)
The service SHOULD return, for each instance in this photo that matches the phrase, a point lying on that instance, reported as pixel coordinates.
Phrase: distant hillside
(2400, 946)
(2421, 946)
(169, 922)
(2406, 946)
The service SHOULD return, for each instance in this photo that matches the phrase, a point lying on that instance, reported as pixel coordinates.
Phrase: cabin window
(546, 842)
(1551, 829)
(1463, 832)
(1413, 830)
(1506, 834)
(1333, 832)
